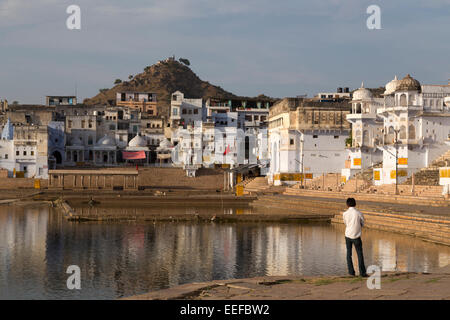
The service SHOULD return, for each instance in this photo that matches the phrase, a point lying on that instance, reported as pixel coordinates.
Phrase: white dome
(165, 144)
(137, 141)
(447, 101)
(391, 86)
(362, 94)
(106, 141)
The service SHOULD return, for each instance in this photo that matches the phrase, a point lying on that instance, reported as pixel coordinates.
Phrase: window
(25, 168)
(32, 153)
(6, 156)
(315, 136)
(24, 153)
(69, 124)
(195, 111)
(183, 111)
(83, 123)
(336, 137)
(291, 142)
(17, 153)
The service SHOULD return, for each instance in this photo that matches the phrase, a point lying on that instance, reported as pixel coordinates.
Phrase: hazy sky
(279, 48)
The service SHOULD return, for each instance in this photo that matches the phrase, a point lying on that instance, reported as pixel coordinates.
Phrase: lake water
(122, 259)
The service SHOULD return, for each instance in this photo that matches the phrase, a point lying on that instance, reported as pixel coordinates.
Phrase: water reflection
(116, 260)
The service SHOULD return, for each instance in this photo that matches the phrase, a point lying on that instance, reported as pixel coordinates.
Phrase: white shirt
(354, 221)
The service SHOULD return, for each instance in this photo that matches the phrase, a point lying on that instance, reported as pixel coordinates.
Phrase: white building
(410, 125)
(184, 112)
(416, 128)
(24, 150)
(367, 133)
(306, 139)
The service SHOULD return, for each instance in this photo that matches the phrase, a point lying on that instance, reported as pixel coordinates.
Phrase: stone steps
(389, 198)
(435, 229)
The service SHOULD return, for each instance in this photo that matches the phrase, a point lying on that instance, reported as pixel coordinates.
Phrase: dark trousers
(359, 251)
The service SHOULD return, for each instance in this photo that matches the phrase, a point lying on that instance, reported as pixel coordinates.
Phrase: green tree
(130, 77)
(185, 61)
(118, 81)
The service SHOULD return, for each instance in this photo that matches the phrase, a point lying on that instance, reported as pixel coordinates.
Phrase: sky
(279, 48)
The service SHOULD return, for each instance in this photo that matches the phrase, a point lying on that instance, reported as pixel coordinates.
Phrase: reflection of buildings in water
(323, 251)
(443, 259)
(385, 252)
(426, 262)
(23, 242)
(192, 255)
(277, 251)
(224, 257)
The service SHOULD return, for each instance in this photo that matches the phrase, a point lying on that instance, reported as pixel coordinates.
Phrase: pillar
(124, 182)
(74, 180)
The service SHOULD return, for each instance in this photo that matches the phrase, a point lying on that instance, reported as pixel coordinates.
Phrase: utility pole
(396, 160)
(302, 141)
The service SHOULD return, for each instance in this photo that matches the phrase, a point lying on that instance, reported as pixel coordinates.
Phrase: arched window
(358, 108)
(366, 138)
(411, 132)
(402, 132)
(390, 135)
(357, 137)
(403, 100)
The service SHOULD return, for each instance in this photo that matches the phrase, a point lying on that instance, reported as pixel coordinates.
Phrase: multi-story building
(404, 131)
(306, 139)
(340, 94)
(60, 100)
(366, 134)
(24, 150)
(145, 102)
(416, 128)
(185, 112)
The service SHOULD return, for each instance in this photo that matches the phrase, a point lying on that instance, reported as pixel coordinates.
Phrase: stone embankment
(430, 223)
(429, 228)
(430, 199)
(398, 286)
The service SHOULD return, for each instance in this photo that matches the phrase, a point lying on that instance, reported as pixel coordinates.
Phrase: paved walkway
(398, 286)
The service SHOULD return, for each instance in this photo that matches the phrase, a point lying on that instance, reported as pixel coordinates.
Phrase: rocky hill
(162, 78)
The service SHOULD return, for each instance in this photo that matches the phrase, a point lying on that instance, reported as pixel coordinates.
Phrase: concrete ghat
(430, 228)
(403, 286)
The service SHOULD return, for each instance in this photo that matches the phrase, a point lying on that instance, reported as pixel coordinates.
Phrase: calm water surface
(122, 259)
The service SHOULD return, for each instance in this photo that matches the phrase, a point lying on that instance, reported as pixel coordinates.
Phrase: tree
(130, 77)
(15, 102)
(349, 140)
(117, 81)
(185, 61)
(103, 90)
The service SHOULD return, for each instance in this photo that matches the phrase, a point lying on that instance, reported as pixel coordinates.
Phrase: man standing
(354, 221)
